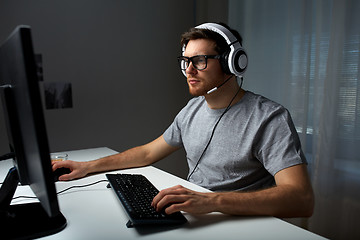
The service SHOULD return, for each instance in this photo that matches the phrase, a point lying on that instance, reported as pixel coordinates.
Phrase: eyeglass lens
(199, 62)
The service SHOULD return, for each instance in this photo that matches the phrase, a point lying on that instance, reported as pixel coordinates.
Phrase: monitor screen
(25, 123)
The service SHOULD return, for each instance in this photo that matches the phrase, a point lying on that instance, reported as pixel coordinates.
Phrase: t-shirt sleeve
(279, 143)
(172, 134)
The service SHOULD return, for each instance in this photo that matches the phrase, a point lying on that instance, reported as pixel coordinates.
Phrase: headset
(233, 61)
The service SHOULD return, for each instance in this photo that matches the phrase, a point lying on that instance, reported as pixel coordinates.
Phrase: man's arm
(291, 197)
(135, 157)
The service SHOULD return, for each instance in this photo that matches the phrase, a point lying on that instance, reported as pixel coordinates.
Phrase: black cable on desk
(81, 186)
(66, 189)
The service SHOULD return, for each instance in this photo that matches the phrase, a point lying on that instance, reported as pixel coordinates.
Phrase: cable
(81, 186)
(31, 197)
(213, 131)
(66, 189)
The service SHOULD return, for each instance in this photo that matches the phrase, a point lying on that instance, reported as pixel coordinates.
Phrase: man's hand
(179, 198)
(78, 169)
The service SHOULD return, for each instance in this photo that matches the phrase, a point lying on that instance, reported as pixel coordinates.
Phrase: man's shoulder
(262, 102)
(262, 108)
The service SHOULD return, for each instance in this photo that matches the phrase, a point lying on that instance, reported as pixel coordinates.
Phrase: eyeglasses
(199, 61)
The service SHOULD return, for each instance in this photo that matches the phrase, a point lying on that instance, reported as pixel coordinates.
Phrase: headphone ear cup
(240, 61)
(184, 72)
(182, 54)
(224, 62)
(236, 65)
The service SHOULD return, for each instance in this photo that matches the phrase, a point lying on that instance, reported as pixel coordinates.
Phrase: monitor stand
(24, 221)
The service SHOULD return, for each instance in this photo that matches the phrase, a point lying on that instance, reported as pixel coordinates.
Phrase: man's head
(208, 45)
(228, 44)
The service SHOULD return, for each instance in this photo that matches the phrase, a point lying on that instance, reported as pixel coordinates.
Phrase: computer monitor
(25, 123)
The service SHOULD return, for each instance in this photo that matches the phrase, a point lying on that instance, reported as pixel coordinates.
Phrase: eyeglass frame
(190, 59)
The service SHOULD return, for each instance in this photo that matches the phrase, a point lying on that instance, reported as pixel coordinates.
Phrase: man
(241, 145)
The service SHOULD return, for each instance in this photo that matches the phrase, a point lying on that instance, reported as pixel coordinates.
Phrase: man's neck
(222, 97)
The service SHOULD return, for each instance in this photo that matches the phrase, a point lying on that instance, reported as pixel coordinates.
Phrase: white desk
(95, 212)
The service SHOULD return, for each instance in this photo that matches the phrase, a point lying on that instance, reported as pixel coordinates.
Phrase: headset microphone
(216, 88)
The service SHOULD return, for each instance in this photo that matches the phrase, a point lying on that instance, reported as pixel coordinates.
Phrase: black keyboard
(136, 193)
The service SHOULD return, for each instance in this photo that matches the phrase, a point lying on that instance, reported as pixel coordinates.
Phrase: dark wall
(120, 57)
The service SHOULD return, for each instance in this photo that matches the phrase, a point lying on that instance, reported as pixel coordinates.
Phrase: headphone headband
(223, 31)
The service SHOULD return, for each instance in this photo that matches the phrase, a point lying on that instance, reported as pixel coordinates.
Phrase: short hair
(221, 45)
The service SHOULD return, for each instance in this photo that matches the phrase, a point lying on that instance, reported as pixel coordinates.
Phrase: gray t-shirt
(254, 140)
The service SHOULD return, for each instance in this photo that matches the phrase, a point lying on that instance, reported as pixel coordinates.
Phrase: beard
(197, 92)
(204, 88)
(200, 90)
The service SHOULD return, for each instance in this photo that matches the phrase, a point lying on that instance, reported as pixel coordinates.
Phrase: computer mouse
(60, 171)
